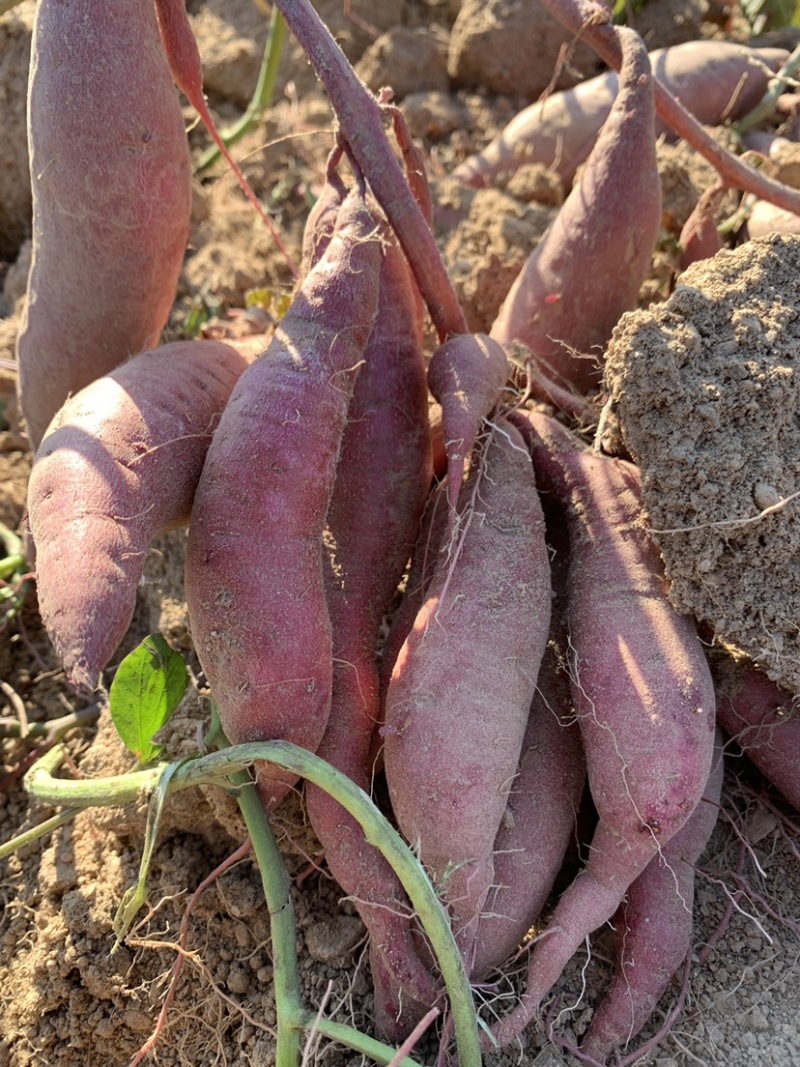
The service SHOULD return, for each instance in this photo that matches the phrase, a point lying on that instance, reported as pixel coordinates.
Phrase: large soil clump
(707, 387)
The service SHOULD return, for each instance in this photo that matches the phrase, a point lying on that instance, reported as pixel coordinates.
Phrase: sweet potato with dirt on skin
(654, 927)
(466, 375)
(762, 718)
(382, 479)
(119, 464)
(642, 690)
(588, 268)
(539, 820)
(458, 701)
(254, 568)
(717, 81)
(111, 175)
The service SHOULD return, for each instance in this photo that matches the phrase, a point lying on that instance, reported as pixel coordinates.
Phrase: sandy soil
(66, 1000)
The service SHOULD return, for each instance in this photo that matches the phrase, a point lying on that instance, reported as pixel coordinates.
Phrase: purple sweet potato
(118, 465)
(424, 558)
(458, 701)
(762, 718)
(587, 269)
(716, 81)
(466, 375)
(654, 927)
(642, 691)
(700, 238)
(539, 820)
(254, 571)
(111, 176)
(381, 483)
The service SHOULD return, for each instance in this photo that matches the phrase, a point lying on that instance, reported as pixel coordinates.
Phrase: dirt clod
(707, 386)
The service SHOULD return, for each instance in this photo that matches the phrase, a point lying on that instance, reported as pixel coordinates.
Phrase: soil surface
(459, 72)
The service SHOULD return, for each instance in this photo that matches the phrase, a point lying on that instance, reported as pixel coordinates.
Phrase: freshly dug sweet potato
(762, 718)
(587, 269)
(642, 691)
(381, 483)
(119, 464)
(717, 81)
(539, 820)
(654, 927)
(111, 176)
(254, 570)
(458, 701)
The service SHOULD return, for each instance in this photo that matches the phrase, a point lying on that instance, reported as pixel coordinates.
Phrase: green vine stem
(27, 837)
(218, 768)
(291, 1015)
(262, 97)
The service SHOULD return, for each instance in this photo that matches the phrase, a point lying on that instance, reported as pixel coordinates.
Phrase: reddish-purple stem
(361, 121)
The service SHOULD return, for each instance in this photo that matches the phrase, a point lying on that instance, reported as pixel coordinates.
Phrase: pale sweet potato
(119, 464)
(254, 570)
(642, 690)
(458, 701)
(717, 81)
(111, 176)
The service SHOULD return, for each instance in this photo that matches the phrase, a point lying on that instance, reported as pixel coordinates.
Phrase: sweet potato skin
(563, 301)
(466, 374)
(381, 483)
(254, 570)
(654, 926)
(111, 175)
(642, 690)
(762, 718)
(539, 820)
(458, 700)
(717, 81)
(119, 464)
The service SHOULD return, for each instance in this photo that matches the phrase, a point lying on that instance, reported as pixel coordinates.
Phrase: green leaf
(147, 688)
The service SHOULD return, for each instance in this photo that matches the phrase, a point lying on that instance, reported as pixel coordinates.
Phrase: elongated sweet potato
(587, 269)
(642, 690)
(717, 81)
(458, 701)
(381, 483)
(654, 927)
(111, 179)
(539, 819)
(118, 465)
(254, 569)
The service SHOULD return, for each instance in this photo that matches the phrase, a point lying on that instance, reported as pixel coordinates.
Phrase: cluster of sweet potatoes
(536, 690)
